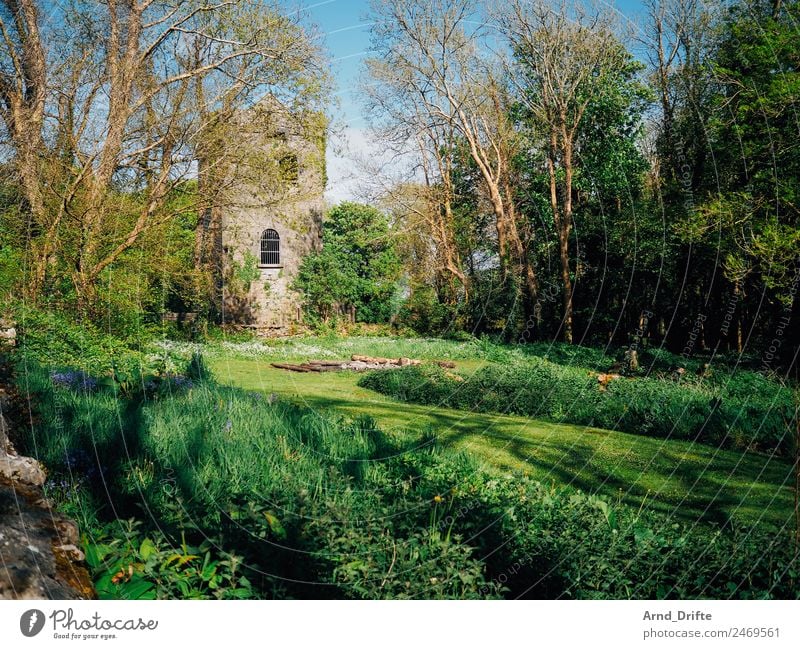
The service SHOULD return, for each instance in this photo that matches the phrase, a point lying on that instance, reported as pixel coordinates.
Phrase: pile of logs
(356, 363)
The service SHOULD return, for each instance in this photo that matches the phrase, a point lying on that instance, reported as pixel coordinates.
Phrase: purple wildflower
(181, 382)
(75, 380)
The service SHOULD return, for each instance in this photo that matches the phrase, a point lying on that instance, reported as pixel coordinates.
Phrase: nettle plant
(129, 563)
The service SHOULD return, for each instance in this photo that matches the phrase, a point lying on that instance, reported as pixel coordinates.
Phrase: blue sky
(346, 29)
(344, 23)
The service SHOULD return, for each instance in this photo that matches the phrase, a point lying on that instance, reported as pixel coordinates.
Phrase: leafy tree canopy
(358, 266)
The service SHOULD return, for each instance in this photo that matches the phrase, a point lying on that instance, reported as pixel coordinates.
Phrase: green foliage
(425, 313)
(10, 261)
(248, 497)
(574, 355)
(245, 272)
(57, 340)
(206, 461)
(759, 89)
(421, 566)
(328, 281)
(358, 266)
(729, 414)
(12, 236)
(567, 544)
(129, 563)
(198, 370)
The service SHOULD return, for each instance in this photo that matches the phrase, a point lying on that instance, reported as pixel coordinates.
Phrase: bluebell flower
(75, 380)
(83, 466)
(181, 382)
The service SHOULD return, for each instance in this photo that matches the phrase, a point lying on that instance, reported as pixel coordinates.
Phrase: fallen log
(378, 360)
(357, 363)
(326, 368)
(290, 367)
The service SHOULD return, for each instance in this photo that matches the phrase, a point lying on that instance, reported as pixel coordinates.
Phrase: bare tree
(23, 91)
(419, 172)
(431, 71)
(564, 56)
(677, 37)
(103, 106)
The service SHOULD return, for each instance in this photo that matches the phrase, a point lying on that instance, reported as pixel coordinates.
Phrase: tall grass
(301, 504)
(746, 412)
(298, 495)
(306, 348)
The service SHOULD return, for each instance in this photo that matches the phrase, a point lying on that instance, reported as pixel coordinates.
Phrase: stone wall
(40, 556)
(263, 196)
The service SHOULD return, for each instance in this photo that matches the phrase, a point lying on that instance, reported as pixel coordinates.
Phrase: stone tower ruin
(268, 168)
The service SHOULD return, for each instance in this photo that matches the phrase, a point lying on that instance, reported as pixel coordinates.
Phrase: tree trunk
(562, 223)
(23, 95)
(563, 247)
(565, 231)
(452, 258)
(737, 290)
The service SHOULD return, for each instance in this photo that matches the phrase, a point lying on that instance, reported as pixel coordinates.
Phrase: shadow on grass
(692, 482)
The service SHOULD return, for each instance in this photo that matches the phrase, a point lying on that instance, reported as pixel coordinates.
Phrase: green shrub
(424, 313)
(10, 263)
(573, 355)
(56, 340)
(129, 563)
(358, 266)
(567, 544)
(750, 414)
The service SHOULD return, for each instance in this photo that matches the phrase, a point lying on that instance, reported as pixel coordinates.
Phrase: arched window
(270, 248)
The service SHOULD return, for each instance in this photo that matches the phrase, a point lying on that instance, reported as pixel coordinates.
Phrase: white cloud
(346, 175)
(359, 168)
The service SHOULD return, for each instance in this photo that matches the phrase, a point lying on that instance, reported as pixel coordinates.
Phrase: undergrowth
(185, 488)
(744, 411)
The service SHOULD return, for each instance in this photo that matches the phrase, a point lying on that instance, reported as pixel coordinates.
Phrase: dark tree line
(593, 187)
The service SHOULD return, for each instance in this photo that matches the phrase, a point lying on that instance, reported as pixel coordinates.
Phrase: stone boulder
(39, 548)
(8, 333)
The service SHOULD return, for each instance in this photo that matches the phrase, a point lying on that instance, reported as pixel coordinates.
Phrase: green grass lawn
(691, 481)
